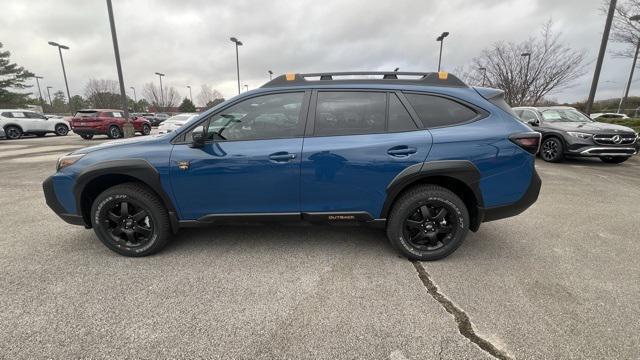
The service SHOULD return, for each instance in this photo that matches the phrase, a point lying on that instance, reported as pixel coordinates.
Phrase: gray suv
(568, 132)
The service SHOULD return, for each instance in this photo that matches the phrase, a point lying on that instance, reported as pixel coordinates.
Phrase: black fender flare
(138, 169)
(461, 170)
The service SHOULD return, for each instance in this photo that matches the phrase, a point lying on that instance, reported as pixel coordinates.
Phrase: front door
(250, 163)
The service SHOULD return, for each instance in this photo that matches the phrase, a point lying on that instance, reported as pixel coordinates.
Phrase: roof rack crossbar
(423, 78)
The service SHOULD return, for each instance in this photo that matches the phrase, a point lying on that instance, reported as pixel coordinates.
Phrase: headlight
(68, 160)
(579, 135)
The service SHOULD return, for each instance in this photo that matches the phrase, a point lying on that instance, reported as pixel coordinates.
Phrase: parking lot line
(39, 149)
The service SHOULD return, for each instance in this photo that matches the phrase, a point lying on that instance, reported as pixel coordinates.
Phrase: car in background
(155, 118)
(18, 122)
(608, 116)
(175, 122)
(568, 132)
(90, 122)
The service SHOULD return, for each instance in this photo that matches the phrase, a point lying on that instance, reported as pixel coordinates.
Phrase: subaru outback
(421, 154)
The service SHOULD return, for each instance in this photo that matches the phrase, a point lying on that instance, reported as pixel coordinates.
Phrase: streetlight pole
(49, 95)
(441, 40)
(623, 100)
(135, 99)
(525, 87)
(238, 43)
(484, 74)
(270, 74)
(190, 96)
(603, 49)
(64, 72)
(160, 75)
(39, 92)
(246, 87)
(128, 128)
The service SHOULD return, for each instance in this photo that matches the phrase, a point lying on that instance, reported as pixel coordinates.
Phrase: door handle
(402, 150)
(282, 156)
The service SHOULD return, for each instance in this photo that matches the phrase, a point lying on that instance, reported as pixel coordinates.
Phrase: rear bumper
(89, 131)
(54, 204)
(505, 211)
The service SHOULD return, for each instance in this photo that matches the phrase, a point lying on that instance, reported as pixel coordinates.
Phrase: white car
(608, 116)
(17, 122)
(174, 122)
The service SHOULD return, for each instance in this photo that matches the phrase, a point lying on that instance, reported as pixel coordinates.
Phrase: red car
(90, 122)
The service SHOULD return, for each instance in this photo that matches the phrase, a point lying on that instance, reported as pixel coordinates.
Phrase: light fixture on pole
(238, 43)
(135, 99)
(39, 92)
(270, 74)
(190, 96)
(246, 87)
(64, 72)
(49, 95)
(160, 75)
(441, 40)
(525, 85)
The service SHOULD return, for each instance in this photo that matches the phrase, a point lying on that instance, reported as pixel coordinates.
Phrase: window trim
(481, 113)
(310, 130)
(180, 138)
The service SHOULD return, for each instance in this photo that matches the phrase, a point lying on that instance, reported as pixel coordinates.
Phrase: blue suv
(421, 154)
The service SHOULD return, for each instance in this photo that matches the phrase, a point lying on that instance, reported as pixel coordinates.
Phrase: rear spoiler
(489, 93)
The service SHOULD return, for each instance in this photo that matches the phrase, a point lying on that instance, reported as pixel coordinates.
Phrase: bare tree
(624, 30)
(208, 95)
(101, 93)
(168, 99)
(553, 66)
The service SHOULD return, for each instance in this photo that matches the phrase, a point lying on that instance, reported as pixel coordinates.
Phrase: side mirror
(533, 122)
(197, 137)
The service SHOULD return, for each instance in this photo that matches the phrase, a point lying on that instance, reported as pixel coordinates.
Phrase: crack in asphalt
(462, 319)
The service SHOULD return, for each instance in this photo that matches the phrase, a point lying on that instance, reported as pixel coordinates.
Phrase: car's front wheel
(130, 220)
(614, 159)
(114, 132)
(61, 130)
(427, 223)
(552, 150)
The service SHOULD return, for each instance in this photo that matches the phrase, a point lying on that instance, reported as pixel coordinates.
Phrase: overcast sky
(188, 40)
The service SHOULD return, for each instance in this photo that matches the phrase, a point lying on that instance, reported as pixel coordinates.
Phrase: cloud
(188, 40)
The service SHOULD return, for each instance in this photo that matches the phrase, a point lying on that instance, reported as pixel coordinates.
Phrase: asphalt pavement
(559, 281)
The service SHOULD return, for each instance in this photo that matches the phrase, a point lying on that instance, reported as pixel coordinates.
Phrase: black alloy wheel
(114, 132)
(146, 129)
(552, 150)
(128, 224)
(430, 226)
(13, 132)
(62, 130)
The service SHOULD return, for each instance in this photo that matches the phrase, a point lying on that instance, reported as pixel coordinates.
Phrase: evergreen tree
(187, 106)
(12, 77)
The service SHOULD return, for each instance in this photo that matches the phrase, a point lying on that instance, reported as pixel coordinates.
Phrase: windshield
(564, 115)
(178, 119)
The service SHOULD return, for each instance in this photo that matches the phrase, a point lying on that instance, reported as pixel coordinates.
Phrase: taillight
(529, 141)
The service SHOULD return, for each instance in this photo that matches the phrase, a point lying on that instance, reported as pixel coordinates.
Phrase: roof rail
(389, 77)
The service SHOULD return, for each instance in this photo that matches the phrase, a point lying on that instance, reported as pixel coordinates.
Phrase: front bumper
(54, 204)
(605, 151)
(505, 211)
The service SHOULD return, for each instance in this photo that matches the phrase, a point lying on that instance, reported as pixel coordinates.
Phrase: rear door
(356, 142)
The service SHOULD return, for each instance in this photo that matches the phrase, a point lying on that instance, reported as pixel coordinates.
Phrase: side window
(7, 114)
(435, 111)
(350, 113)
(399, 118)
(117, 114)
(32, 115)
(18, 115)
(263, 117)
(528, 115)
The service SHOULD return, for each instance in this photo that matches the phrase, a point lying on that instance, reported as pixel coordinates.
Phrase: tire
(140, 228)
(614, 159)
(146, 129)
(61, 130)
(552, 150)
(87, 136)
(13, 132)
(415, 225)
(114, 132)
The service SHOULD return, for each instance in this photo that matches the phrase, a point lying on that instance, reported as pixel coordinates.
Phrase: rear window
(86, 114)
(435, 111)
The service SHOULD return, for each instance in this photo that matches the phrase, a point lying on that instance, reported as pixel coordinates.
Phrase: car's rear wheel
(614, 159)
(552, 150)
(130, 220)
(61, 130)
(427, 223)
(146, 129)
(87, 136)
(114, 132)
(13, 132)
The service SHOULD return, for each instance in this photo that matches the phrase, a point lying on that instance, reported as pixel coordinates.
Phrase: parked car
(568, 132)
(608, 116)
(155, 118)
(427, 157)
(90, 122)
(18, 122)
(175, 122)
